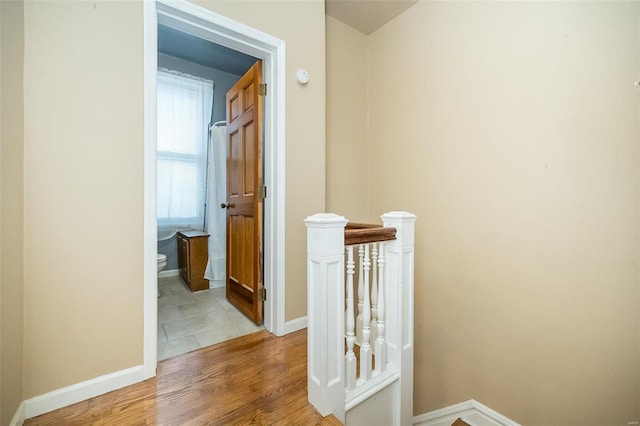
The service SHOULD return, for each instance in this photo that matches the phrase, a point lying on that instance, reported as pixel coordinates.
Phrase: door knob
(227, 205)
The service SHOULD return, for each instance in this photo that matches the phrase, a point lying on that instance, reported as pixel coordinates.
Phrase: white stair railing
(360, 294)
(374, 294)
(385, 310)
(399, 288)
(350, 356)
(380, 346)
(365, 347)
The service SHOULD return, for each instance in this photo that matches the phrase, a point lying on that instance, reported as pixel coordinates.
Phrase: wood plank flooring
(257, 379)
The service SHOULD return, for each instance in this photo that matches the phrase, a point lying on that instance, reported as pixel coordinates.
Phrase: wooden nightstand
(193, 254)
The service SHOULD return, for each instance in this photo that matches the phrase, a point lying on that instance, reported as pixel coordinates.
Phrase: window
(184, 111)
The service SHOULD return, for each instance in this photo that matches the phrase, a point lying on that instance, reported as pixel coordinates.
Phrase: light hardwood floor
(257, 379)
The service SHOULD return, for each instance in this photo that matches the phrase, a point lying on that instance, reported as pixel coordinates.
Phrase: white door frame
(205, 24)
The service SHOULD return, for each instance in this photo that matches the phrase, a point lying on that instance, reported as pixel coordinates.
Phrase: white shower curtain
(216, 216)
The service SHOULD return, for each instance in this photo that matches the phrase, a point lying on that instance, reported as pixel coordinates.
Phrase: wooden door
(244, 203)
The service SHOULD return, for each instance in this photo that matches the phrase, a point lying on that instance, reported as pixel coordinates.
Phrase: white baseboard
(19, 417)
(169, 273)
(471, 411)
(82, 391)
(295, 325)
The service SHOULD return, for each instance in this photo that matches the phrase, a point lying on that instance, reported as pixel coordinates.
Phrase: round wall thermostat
(302, 76)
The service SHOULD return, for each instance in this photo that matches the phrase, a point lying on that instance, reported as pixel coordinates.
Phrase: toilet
(162, 261)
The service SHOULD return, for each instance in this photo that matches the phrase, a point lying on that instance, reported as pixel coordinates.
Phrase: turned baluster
(365, 347)
(350, 357)
(360, 294)
(374, 294)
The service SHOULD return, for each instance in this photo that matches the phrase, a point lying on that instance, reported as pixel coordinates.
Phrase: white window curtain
(184, 112)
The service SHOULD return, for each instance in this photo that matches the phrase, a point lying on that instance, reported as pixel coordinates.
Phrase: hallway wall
(11, 208)
(347, 169)
(511, 130)
(83, 169)
(83, 204)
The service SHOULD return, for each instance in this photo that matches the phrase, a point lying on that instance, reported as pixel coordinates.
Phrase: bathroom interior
(194, 76)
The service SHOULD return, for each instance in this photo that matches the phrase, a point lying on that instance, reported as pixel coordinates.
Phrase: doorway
(204, 91)
(202, 23)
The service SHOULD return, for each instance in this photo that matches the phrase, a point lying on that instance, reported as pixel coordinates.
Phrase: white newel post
(325, 313)
(398, 282)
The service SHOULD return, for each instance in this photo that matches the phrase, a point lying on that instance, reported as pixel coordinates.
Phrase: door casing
(205, 24)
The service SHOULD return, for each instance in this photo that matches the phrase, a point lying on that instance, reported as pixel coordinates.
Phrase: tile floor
(189, 321)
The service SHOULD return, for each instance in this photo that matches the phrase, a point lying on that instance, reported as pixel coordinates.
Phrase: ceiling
(190, 48)
(366, 16)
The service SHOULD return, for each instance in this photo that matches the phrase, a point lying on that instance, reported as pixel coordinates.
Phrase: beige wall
(83, 205)
(513, 132)
(11, 208)
(83, 189)
(301, 25)
(347, 170)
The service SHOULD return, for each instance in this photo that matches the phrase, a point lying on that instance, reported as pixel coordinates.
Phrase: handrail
(363, 233)
(387, 297)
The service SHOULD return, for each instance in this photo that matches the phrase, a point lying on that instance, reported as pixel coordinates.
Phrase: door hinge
(262, 192)
(263, 294)
(262, 89)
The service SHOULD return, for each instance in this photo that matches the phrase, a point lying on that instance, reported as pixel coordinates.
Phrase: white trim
(203, 23)
(295, 325)
(19, 417)
(169, 273)
(471, 411)
(150, 270)
(82, 391)
(274, 262)
(378, 383)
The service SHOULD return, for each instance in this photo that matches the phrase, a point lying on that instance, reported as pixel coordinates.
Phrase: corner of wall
(1, 411)
(346, 147)
(470, 411)
(371, 217)
(19, 417)
(11, 209)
